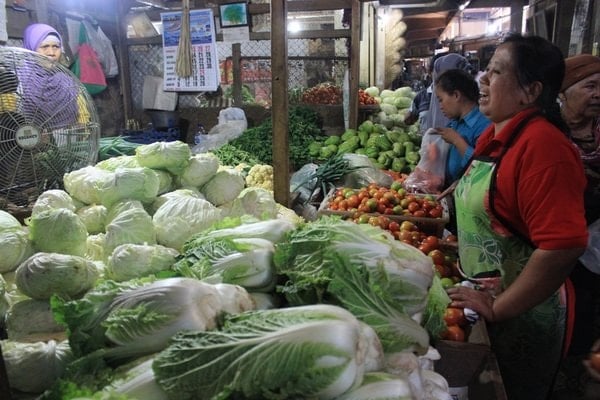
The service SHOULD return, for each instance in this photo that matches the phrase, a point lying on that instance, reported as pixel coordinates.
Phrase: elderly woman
(520, 215)
(43, 39)
(580, 107)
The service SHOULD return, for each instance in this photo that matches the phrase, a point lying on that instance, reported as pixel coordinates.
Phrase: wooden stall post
(279, 82)
(236, 55)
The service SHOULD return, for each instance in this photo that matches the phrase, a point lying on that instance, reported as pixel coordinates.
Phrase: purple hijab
(35, 34)
(49, 92)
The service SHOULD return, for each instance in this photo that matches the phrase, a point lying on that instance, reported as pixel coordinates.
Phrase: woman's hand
(449, 135)
(591, 364)
(479, 301)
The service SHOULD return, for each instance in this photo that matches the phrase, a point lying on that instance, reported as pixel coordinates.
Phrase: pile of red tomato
(394, 200)
(324, 93)
(365, 99)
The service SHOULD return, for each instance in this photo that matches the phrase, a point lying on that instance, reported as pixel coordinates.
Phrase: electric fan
(48, 126)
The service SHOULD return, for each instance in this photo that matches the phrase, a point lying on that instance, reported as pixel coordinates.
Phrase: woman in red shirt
(520, 215)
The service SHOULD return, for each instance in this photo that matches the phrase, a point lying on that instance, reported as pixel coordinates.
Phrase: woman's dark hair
(458, 80)
(537, 59)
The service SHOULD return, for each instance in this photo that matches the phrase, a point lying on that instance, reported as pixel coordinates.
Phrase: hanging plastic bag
(105, 51)
(591, 258)
(428, 176)
(87, 66)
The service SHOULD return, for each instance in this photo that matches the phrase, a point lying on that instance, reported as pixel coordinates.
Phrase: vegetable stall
(159, 262)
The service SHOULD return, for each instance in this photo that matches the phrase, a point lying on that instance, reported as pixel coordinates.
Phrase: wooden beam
(123, 59)
(354, 73)
(279, 96)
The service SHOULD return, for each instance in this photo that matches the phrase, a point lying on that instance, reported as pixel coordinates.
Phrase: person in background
(50, 94)
(580, 107)
(434, 116)
(458, 94)
(419, 106)
(520, 215)
(43, 39)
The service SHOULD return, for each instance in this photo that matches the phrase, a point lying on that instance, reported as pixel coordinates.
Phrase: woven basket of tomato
(427, 213)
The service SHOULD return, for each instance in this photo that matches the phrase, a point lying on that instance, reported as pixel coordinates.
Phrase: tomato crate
(428, 225)
(471, 364)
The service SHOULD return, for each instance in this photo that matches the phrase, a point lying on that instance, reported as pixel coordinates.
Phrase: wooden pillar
(123, 58)
(279, 96)
(354, 75)
(236, 53)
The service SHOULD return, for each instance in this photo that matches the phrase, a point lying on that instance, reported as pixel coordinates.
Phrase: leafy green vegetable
(299, 352)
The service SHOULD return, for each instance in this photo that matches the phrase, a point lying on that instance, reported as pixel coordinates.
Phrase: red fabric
(540, 183)
(570, 300)
(91, 70)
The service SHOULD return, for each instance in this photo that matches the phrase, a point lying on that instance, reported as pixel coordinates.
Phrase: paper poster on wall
(205, 68)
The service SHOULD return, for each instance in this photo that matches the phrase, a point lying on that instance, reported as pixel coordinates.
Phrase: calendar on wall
(205, 68)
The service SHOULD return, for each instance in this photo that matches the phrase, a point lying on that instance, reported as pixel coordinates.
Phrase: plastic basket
(430, 226)
(151, 136)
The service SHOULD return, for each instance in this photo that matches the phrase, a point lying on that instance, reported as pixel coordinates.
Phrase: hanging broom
(183, 64)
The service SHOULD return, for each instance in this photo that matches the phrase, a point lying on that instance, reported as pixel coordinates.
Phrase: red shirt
(540, 183)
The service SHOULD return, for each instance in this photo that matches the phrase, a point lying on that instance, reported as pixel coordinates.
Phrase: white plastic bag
(591, 258)
(429, 174)
(231, 124)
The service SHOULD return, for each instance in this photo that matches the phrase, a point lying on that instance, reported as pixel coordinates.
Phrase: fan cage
(48, 126)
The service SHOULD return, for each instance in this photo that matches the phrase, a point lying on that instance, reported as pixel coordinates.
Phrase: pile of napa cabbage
(160, 276)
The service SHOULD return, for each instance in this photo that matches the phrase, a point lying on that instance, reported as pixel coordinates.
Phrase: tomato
(372, 204)
(419, 214)
(394, 226)
(435, 212)
(426, 248)
(454, 333)
(413, 206)
(408, 226)
(451, 238)
(363, 219)
(442, 270)
(432, 240)
(353, 201)
(396, 185)
(595, 360)
(454, 316)
(437, 256)
(398, 210)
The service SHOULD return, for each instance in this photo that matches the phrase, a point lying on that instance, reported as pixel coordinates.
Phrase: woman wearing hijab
(435, 117)
(580, 107)
(50, 94)
(43, 39)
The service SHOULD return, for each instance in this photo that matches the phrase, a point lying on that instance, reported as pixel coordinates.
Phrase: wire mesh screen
(311, 62)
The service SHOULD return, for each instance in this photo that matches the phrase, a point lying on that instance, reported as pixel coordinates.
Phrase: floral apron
(526, 346)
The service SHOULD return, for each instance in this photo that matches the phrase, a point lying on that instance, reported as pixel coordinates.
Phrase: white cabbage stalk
(301, 352)
(380, 386)
(138, 383)
(273, 230)
(35, 367)
(234, 298)
(130, 260)
(45, 274)
(53, 198)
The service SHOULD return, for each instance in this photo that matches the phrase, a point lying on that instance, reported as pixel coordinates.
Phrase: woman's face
(50, 48)
(448, 103)
(501, 96)
(582, 100)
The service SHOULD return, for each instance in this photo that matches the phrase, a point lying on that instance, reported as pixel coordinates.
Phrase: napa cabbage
(53, 198)
(29, 318)
(318, 351)
(384, 282)
(254, 201)
(93, 217)
(201, 168)
(138, 317)
(133, 226)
